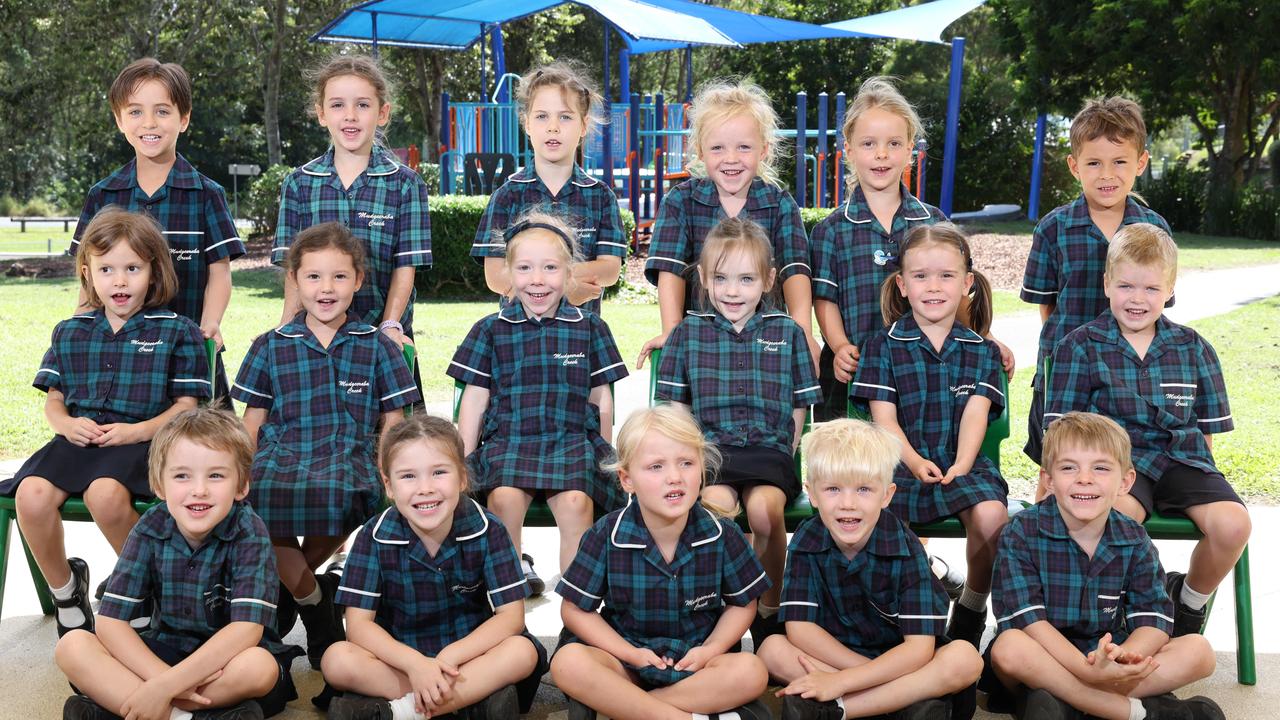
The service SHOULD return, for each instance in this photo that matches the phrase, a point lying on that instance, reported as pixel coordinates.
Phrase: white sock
(766, 611)
(840, 702)
(176, 714)
(402, 709)
(312, 598)
(72, 616)
(1191, 598)
(938, 566)
(973, 600)
(525, 567)
(1136, 711)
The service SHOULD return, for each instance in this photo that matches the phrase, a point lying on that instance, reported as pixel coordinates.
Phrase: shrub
(430, 173)
(812, 216)
(1256, 212)
(9, 205)
(262, 199)
(1179, 196)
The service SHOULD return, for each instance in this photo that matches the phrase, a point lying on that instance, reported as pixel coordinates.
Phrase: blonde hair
(847, 447)
(1144, 245)
(420, 426)
(114, 225)
(570, 77)
(893, 305)
(736, 235)
(673, 421)
(720, 100)
(215, 429)
(1118, 119)
(876, 92)
(570, 251)
(1088, 431)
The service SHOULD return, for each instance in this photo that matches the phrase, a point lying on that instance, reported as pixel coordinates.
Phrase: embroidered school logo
(146, 346)
(1109, 610)
(463, 589)
(354, 388)
(585, 233)
(567, 359)
(375, 219)
(1180, 400)
(883, 258)
(178, 255)
(701, 601)
(962, 390)
(771, 345)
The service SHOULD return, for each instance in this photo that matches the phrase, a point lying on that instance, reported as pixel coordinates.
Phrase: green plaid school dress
(539, 431)
(314, 473)
(930, 390)
(385, 207)
(868, 603)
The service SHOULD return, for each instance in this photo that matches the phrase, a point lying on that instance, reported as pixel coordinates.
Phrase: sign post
(235, 171)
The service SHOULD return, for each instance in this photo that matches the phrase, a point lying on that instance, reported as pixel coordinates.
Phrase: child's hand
(584, 291)
(432, 683)
(815, 685)
(122, 434)
(926, 472)
(846, 362)
(644, 657)
(1006, 357)
(81, 431)
(395, 334)
(212, 331)
(151, 701)
(955, 471)
(1108, 671)
(194, 695)
(655, 343)
(815, 351)
(696, 659)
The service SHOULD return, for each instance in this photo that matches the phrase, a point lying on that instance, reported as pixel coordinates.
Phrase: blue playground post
(624, 73)
(373, 19)
(922, 166)
(606, 131)
(659, 150)
(446, 175)
(633, 156)
(688, 73)
(499, 61)
(1037, 166)
(801, 111)
(484, 66)
(820, 198)
(839, 147)
(953, 117)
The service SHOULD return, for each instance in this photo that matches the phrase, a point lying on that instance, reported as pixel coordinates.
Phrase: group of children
(425, 619)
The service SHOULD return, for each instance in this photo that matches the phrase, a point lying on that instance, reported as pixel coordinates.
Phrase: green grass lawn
(38, 238)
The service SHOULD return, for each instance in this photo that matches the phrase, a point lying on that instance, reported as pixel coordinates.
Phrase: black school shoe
(247, 710)
(80, 707)
(501, 705)
(952, 580)
(79, 597)
(795, 707)
(578, 711)
(1042, 705)
(318, 619)
(754, 710)
(967, 625)
(931, 709)
(536, 586)
(1169, 707)
(1202, 708)
(354, 706)
(1185, 620)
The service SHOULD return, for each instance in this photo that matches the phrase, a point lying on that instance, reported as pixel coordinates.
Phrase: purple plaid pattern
(128, 376)
(692, 209)
(385, 207)
(1042, 574)
(1064, 269)
(429, 602)
(314, 472)
(930, 390)
(742, 385)
(230, 578)
(1167, 401)
(192, 210)
(669, 608)
(539, 431)
(870, 603)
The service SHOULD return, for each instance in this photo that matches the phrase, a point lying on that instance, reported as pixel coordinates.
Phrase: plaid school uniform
(1167, 401)
(930, 390)
(1042, 574)
(587, 204)
(314, 472)
(230, 578)
(430, 602)
(744, 385)
(1065, 267)
(385, 207)
(868, 603)
(669, 608)
(852, 254)
(692, 209)
(539, 431)
(191, 209)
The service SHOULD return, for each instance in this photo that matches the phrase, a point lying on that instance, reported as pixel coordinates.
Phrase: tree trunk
(271, 83)
(1226, 167)
(429, 85)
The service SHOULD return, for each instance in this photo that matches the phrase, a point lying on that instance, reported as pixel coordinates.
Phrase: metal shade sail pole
(953, 118)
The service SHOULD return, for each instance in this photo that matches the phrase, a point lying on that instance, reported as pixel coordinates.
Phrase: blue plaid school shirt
(868, 603)
(128, 376)
(1167, 401)
(539, 426)
(587, 204)
(744, 385)
(929, 388)
(852, 254)
(192, 210)
(385, 207)
(230, 578)
(429, 602)
(692, 209)
(1065, 267)
(1042, 574)
(669, 608)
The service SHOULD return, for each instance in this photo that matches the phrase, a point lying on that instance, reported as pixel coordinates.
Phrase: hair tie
(520, 227)
(968, 261)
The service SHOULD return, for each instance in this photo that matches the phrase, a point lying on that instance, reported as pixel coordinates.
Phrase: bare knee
(505, 500)
(1129, 506)
(74, 648)
(1229, 526)
(764, 516)
(1010, 652)
(573, 665)
(37, 499)
(961, 667)
(572, 509)
(339, 664)
(109, 502)
(987, 520)
(259, 669)
(747, 670)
